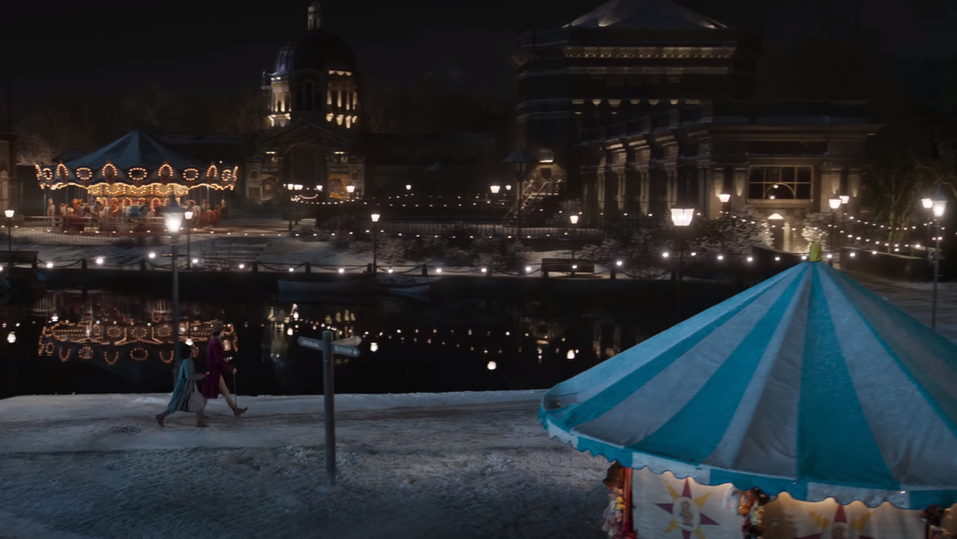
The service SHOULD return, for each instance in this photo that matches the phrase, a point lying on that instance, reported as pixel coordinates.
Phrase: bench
(12, 258)
(564, 265)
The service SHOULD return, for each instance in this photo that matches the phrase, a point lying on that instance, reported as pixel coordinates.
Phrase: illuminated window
(780, 183)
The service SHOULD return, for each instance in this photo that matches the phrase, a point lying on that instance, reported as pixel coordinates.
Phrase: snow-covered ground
(418, 466)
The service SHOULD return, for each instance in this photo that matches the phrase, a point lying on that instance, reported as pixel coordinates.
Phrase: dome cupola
(315, 79)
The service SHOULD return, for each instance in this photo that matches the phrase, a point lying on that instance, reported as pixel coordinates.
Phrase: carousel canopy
(806, 383)
(135, 165)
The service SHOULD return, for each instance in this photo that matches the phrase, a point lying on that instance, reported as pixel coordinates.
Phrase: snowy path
(463, 465)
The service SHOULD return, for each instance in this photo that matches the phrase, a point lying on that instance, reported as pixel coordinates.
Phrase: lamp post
(939, 207)
(9, 213)
(573, 218)
(289, 188)
(173, 215)
(835, 203)
(928, 204)
(724, 198)
(681, 216)
(375, 234)
(188, 216)
(351, 189)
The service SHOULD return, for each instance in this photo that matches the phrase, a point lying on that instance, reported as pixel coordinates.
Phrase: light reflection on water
(105, 341)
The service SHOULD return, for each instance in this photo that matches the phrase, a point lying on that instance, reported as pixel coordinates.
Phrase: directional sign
(315, 344)
(341, 349)
(350, 351)
(349, 341)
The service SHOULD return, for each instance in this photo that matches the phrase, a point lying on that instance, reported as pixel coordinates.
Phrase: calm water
(117, 341)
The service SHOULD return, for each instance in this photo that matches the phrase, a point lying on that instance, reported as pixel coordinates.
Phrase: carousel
(805, 407)
(131, 178)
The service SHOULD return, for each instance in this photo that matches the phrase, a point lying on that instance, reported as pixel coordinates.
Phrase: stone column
(830, 186)
(740, 193)
(644, 191)
(672, 187)
(854, 190)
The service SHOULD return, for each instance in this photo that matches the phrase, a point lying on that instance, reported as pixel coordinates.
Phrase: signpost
(328, 347)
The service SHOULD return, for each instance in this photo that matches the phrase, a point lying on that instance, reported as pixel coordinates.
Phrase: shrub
(499, 253)
(817, 228)
(734, 233)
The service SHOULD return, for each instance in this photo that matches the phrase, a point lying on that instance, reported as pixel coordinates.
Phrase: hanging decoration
(190, 176)
(138, 175)
(109, 172)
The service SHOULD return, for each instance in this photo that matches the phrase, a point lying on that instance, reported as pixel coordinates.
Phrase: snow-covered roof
(658, 14)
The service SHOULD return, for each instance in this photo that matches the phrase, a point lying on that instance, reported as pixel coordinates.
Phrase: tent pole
(627, 524)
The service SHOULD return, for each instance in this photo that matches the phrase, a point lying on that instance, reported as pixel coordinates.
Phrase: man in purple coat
(214, 384)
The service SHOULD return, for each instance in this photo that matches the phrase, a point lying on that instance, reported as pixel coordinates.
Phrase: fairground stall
(122, 186)
(804, 407)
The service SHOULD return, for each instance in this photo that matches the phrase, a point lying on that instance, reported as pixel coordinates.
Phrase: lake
(120, 341)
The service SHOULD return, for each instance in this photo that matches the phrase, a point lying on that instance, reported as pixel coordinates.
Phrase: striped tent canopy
(806, 383)
(135, 165)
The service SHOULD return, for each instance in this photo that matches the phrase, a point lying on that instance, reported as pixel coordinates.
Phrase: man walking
(214, 384)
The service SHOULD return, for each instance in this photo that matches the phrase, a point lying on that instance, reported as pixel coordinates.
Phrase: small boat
(394, 282)
(350, 286)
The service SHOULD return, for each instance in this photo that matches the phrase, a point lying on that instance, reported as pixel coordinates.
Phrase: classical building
(785, 159)
(8, 162)
(312, 116)
(641, 102)
(313, 134)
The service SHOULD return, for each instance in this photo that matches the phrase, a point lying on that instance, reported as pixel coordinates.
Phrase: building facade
(622, 60)
(784, 159)
(640, 103)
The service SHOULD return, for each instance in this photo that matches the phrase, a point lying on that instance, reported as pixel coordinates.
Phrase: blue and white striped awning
(806, 383)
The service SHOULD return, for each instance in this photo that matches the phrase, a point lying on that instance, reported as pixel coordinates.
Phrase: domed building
(314, 136)
(315, 79)
(311, 121)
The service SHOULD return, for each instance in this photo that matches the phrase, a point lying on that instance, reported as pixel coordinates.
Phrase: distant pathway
(915, 300)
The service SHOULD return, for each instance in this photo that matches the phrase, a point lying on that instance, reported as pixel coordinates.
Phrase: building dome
(315, 49)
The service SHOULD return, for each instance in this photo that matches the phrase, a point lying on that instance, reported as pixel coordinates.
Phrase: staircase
(532, 198)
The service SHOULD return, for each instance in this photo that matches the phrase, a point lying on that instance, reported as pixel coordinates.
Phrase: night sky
(55, 52)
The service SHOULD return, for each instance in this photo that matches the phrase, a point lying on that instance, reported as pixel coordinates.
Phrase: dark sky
(53, 51)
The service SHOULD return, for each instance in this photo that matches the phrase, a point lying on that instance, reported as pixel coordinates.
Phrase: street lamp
(9, 213)
(724, 198)
(835, 203)
(375, 234)
(188, 215)
(928, 204)
(573, 218)
(173, 215)
(351, 189)
(495, 189)
(681, 216)
(939, 206)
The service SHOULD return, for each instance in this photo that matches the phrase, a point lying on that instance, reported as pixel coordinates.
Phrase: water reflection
(122, 342)
(129, 335)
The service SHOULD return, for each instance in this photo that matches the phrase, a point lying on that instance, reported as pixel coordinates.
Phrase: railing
(729, 266)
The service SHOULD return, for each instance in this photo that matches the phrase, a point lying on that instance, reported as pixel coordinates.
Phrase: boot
(237, 411)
